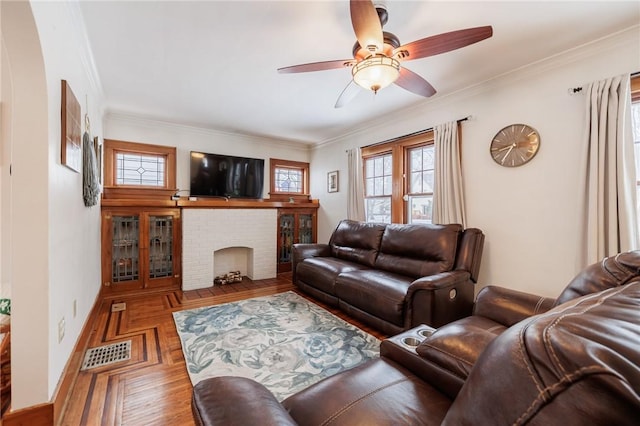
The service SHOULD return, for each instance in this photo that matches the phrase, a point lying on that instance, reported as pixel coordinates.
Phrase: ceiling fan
(377, 54)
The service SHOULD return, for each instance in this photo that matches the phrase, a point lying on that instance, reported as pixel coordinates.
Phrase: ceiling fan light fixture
(376, 72)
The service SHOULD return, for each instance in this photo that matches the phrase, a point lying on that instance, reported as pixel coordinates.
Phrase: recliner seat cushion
(418, 250)
(356, 241)
(455, 347)
(380, 293)
(321, 272)
(378, 392)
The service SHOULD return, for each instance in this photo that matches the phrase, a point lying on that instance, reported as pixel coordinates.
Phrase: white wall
(55, 241)
(74, 230)
(187, 138)
(529, 214)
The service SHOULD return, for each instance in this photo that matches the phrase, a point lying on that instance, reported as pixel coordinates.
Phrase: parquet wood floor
(153, 387)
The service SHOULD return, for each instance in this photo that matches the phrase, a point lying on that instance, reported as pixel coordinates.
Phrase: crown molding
(85, 52)
(148, 122)
(623, 37)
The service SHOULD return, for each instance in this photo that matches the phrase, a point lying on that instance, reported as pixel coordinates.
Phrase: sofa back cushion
(575, 364)
(418, 250)
(611, 272)
(357, 241)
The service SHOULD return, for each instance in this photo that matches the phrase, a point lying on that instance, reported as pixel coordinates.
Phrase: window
(420, 193)
(289, 179)
(138, 170)
(378, 183)
(398, 179)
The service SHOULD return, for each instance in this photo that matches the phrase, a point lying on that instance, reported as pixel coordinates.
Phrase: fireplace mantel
(220, 203)
(209, 203)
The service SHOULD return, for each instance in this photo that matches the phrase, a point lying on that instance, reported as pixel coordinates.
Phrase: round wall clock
(515, 145)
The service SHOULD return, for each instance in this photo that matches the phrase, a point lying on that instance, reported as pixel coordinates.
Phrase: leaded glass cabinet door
(162, 239)
(286, 235)
(305, 228)
(121, 261)
(294, 226)
(125, 259)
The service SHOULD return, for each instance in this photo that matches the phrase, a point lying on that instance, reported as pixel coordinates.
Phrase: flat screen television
(214, 175)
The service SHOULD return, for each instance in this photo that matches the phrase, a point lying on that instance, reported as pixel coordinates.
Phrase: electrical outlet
(75, 307)
(61, 330)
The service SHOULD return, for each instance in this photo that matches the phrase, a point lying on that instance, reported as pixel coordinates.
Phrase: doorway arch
(26, 203)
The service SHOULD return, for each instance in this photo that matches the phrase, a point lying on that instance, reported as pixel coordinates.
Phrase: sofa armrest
(438, 281)
(438, 299)
(236, 401)
(302, 251)
(508, 307)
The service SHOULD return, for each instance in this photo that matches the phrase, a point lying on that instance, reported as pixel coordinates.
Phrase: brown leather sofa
(576, 364)
(395, 276)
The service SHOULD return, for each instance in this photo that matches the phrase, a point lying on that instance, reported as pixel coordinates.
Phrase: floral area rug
(283, 341)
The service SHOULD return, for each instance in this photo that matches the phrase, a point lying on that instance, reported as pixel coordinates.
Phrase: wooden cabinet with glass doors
(140, 248)
(294, 226)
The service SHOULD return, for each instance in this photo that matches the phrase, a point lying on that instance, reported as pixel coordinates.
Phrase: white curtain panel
(448, 194)
(610, 220)
(355, 189)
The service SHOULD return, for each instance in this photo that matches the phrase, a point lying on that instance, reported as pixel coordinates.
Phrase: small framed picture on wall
(71, 137)
(332, 181)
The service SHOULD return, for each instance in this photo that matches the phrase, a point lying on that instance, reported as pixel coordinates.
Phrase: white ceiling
(213, 63)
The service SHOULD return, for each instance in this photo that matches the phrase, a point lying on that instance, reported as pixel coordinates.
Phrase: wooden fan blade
(317, 66)
(412, 82)
(442, 43)
(366, 25)
(347, 94)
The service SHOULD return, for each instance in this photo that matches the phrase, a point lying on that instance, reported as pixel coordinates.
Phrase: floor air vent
(109, 354)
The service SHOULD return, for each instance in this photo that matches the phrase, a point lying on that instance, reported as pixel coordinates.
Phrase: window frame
(635, 98)
(399, 149)
(408, 172)
(364, 176)
(274, 193)
(114, 190)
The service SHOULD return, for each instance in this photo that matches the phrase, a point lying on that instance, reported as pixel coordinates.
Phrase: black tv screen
(214, 175)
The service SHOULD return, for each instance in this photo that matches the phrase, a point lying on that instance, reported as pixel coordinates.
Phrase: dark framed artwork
(71, 138)
(332, 181)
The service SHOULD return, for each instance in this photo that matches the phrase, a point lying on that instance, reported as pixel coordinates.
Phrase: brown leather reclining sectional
(573, 364)
(450, 354)
(395, 276)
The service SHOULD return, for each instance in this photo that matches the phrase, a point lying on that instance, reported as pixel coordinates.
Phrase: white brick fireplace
(205, 231)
